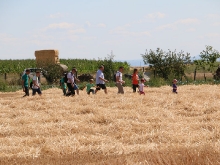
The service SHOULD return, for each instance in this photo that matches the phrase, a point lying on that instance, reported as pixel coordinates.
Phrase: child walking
(89, 87)
(174, 86)
(36, 84)
(141, 87)
(135, 80)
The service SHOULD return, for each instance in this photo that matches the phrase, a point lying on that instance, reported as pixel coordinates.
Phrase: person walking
(36, 84)
(174, 86)
(25, 83)
(100, 80)
(75, 79)
(70, 83)
(141, 87)
(135, 80)
(119, 80)
(89, 87)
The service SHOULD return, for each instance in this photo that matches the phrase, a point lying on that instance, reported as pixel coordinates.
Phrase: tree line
(173, 64)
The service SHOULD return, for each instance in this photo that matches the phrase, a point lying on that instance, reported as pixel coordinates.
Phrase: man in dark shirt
(25, 84)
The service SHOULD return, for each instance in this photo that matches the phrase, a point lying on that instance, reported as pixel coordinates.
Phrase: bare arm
(103, 79)
(23, 84)
(117, 79)
(77, 79)
(35, 83)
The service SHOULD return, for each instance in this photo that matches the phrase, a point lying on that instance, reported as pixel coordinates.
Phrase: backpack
(114, 78)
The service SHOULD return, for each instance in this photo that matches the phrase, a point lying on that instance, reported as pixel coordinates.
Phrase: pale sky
(93, 28)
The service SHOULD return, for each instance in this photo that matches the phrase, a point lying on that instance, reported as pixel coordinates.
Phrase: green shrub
(3, 86)
(157, 82)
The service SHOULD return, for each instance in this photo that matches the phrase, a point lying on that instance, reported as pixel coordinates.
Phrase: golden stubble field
(158, 128)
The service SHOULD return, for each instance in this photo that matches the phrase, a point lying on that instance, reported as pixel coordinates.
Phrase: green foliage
(53, 73)
(3, 86)
(166, 63)
(128, 82)
(209, 57)
(6, 87)
(207, 61)
(200, 64)
(157, 82)
(83, 65)
(111, 66)
(16, 66)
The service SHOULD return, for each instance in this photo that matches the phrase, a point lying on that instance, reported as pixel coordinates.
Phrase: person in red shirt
(135, 80)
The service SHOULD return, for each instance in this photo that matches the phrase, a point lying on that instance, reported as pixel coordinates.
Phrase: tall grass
(158, 128)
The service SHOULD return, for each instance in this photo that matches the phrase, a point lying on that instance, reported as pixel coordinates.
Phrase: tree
(52, 73)
(200, 64)
(167, 64)
(111, 66)
(209, 57)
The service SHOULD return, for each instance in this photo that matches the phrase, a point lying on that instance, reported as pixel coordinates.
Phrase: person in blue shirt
(174, 86)
(25, 84)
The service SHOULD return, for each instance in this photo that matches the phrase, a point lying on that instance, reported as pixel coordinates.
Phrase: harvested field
(158, 128)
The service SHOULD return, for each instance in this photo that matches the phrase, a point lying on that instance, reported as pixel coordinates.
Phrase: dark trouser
(174, 91)
(134, 86)
(91, 90)
(36, 91)
(26, 90)
(64, 91)
(71, 90)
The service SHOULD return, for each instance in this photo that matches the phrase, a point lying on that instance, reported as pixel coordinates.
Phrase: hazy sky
(92, 28)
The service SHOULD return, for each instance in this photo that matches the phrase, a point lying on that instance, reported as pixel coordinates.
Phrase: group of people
(100, 82)
(35, 85)
(69, 85)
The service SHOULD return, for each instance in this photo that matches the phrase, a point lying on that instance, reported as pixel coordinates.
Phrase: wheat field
(155, 129)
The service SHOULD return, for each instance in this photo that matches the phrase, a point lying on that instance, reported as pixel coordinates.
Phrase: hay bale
(45, 57)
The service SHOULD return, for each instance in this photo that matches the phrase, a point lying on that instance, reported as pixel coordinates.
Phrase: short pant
(101, 86)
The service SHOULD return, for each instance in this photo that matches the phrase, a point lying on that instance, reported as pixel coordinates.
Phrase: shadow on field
(203, 155)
